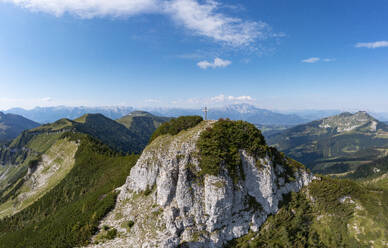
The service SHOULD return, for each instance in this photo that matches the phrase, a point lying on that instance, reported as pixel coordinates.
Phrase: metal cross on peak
(205, 112)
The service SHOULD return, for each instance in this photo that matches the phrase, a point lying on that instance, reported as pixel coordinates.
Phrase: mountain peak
(346, 121)
(363, 114)
(242, 108)
(202, 202)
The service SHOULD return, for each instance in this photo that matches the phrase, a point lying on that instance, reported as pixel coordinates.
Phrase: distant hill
(12, 125)
(335, 144)
(51, 114)
(142, 122)
(37, 140)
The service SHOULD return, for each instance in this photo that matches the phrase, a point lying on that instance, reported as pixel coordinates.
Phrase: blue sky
(276, 54)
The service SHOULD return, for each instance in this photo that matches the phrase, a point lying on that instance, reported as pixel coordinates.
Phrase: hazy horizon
(199, 108)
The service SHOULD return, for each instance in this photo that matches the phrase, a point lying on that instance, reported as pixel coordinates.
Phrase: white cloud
(27, 103)
(316, 59)
(219, 98)
(216, 63)
(240, 98)
(223, 98)
(372, 45)
(202, 18)
(46, 99)
(311, 60)
(89, 8)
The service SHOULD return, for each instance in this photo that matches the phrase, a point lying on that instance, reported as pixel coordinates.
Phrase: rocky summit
(169, 200)
(347, 122)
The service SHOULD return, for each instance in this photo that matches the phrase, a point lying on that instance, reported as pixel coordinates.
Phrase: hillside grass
(220, 148)
(220, 145)
(68, 215)
(175, 126)
(316, 217)
(50, 171)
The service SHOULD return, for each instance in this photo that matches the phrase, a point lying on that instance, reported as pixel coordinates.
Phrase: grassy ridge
(68, 215)
(174, 126)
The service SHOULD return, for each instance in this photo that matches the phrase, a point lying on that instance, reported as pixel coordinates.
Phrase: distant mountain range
(245, 112)
(12, 125)
(336, 144)
(51, 114)
(312, 115)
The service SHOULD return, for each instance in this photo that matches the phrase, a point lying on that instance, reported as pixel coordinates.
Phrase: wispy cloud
(90, 8)
(223, 98)
(311, 60)
(216, 63)
(7, 103)
(316, 59)
(372, 45)
(202, 18)
(46, 99)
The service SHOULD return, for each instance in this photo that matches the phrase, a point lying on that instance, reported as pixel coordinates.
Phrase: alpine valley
(150, 181)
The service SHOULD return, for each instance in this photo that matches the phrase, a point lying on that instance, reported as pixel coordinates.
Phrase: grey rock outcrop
(171, 206)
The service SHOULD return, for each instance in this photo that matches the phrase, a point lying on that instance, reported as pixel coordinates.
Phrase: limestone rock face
(171, 206)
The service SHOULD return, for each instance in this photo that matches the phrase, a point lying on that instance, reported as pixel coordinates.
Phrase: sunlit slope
(43, 174)
(70, 190)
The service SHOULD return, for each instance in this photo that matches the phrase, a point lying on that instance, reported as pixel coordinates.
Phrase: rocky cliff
(167, 202)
